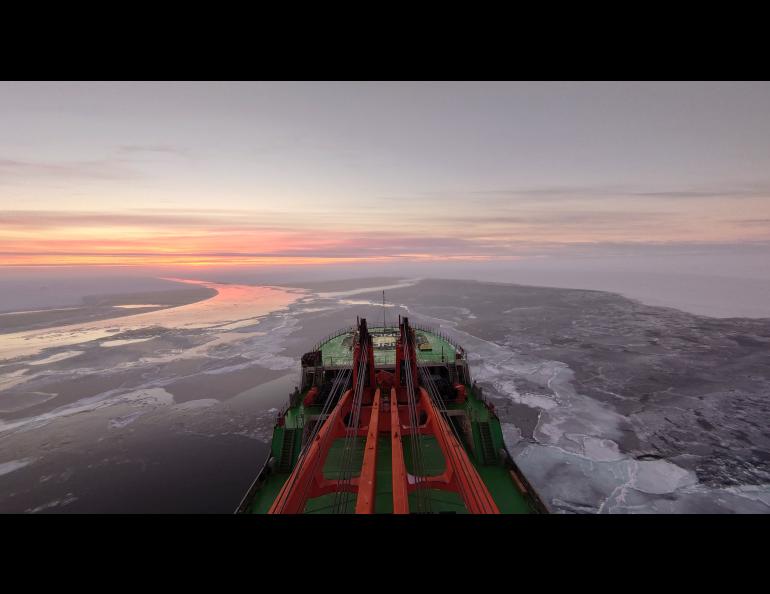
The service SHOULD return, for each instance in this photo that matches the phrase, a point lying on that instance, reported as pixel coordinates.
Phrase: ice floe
(145, 398)
(196, 404)
(7, 467)
(54, 358)
(123, 341)
(125, 420)
(69, 498)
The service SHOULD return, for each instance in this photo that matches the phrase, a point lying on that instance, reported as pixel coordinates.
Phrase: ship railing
(332, 336)
(282, 412)
(381, 358)
(430, 357)
(440, 334)
(421, 327)
(478, 393)
(338, 361)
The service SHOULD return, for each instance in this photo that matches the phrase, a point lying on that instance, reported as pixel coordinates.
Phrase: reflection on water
(138, 305)
(123, 341)
(31, 311)
(231, 307)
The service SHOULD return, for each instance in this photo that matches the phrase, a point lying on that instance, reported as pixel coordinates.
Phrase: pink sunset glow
(268, 174)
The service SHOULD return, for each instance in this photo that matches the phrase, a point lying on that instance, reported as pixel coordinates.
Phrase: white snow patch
(540, 401)
(601, 450)
(403, 285)
(511, 434)
(13, 378)
(759, 493)
(147, 397)
(56, 357)
(661, 476)
(123, 341)
(548, 433)
(138, 305)
(125, 420)
(7, 467)
(534, 400)
(55, 503)
(196, 404)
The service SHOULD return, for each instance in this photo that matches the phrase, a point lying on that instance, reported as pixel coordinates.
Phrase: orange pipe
(474, 492)
(400, 494)
(291, 499)
(368, 479)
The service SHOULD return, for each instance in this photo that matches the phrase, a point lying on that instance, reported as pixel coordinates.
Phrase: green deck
(267, 494)
(494, 474)
(336, 351)
(383, 488)
(338, 455)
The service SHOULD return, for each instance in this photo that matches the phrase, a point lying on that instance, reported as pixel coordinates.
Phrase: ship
(387, 420)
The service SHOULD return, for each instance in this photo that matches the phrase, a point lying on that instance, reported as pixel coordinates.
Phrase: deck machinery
(387, 420)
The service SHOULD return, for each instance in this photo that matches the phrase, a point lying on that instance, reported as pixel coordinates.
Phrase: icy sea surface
(609, 406)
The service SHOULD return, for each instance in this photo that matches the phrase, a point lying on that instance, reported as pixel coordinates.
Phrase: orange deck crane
(400, 408)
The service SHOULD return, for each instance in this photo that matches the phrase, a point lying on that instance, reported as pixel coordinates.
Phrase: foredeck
(495, 475)
(336, 351)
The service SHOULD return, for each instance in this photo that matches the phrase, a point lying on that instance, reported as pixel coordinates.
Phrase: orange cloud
(195, 238)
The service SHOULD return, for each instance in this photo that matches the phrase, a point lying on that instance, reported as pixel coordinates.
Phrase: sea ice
(7, 467)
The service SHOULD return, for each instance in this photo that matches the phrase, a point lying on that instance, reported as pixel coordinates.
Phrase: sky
(305, 174)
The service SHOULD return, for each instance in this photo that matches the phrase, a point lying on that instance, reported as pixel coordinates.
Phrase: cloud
(753, 222)
(105, 169)
(561, 217)
(115, 167)
(167, 149)
(438, 250)
(450, 230)
(41, 219)
(753, 189)
(149, 235)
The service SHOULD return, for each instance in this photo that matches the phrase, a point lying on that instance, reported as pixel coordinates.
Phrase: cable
(345, 375)
(418, 465)
(433, 392)
(345, 475)
(340, 381)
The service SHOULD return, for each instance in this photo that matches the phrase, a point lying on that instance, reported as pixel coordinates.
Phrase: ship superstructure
(388, 420)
